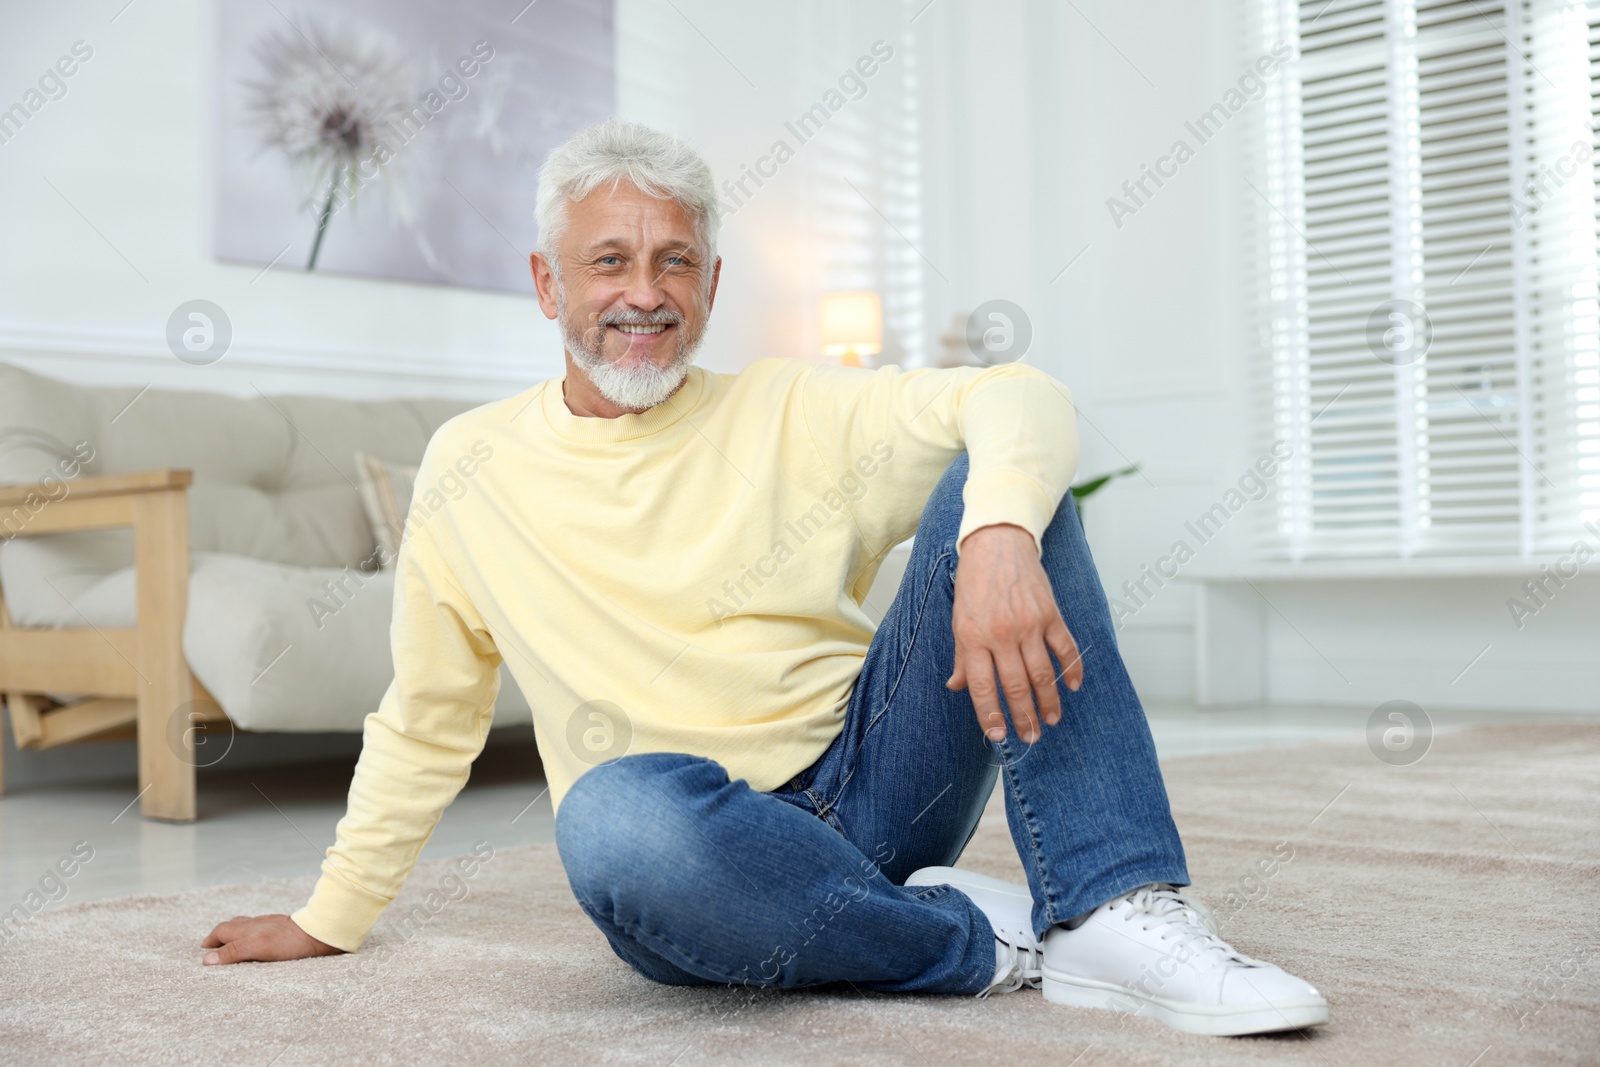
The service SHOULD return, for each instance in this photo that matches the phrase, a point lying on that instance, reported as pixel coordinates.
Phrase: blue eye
(614, 259)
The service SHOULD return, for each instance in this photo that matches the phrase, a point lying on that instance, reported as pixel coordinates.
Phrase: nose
(642, 289)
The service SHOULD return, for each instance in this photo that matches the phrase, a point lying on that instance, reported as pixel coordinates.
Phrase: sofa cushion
(68, 579)
(299, 649)
(282, 648)
(274, 477)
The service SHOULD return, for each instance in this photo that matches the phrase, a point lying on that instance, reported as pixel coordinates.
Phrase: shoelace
(1024, 966)
(1184, 919)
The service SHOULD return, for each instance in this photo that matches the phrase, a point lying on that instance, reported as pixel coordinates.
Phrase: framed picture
(398, 138)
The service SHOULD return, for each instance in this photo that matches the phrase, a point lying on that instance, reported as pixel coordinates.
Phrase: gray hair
(615, 151)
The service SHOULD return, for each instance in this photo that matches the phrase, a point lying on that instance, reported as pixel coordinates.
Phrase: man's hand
(268, 938)
(1006, 619)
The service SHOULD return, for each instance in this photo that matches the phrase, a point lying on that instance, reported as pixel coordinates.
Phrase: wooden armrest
(156, 505)
(105, 485)
(88, 503)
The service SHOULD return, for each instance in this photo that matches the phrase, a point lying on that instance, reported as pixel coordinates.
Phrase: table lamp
(851, 326)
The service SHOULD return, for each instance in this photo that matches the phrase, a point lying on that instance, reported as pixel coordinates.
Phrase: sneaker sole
(1190, 1018)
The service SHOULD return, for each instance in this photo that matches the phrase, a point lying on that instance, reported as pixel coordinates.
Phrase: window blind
(845, 198)
(863, 176)
(1423, 198)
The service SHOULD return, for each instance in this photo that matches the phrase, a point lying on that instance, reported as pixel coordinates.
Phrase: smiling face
(632, 291)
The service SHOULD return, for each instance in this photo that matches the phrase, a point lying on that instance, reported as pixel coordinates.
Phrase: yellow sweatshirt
(686, 579)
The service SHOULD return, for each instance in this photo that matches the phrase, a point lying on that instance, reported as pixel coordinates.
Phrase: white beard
(638, 387)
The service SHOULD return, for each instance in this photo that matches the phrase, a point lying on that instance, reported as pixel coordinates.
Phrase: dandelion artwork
(398, 138)
(324, 100)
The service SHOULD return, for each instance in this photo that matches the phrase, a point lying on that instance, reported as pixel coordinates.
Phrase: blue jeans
(698, 880)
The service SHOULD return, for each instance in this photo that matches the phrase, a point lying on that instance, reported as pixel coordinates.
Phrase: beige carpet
(1430, 903)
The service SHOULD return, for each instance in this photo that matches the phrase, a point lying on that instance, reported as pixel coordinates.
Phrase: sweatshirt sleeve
(1017, 424)
(417, 748)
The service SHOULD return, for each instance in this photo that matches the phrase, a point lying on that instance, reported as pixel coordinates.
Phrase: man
(752, 785)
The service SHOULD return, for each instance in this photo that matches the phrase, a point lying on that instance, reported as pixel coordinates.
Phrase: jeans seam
(1035, 855)
(894, 688)
(824, 810)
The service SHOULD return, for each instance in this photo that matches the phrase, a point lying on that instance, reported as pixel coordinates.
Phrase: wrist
(1002, 534)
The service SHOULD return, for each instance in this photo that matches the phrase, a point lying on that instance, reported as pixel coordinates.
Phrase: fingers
(1042, 681)
(236, 940)
(228, 953)
(1027, 678)
(222, 933)
(979, 670)
(1065, 646)
(1018, 689)
(958, 676)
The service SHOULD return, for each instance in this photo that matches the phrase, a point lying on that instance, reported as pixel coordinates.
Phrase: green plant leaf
(1084, 489)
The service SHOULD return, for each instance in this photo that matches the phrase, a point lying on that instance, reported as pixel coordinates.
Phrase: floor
(1432, 902)
(275, 823)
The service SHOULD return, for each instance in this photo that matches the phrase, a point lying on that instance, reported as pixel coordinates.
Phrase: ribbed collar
(624, 427)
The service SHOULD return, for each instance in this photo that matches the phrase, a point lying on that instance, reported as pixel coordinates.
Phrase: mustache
(634, 317)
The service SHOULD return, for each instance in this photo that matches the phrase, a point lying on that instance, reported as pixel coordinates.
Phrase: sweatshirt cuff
(1006, 496)
(339, 914)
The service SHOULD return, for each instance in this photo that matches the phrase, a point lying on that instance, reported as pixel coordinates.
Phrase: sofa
(176, 566)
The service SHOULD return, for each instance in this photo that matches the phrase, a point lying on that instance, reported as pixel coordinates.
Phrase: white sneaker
(1018, 952)
(1156, 952)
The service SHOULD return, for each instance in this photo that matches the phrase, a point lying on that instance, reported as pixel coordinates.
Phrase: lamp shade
(851, 324)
